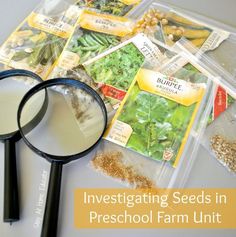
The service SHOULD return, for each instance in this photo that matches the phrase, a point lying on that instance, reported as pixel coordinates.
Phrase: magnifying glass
(13, 86)
(74, 123)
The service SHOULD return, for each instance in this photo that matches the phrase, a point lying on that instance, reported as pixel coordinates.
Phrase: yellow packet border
(32, 24)
(85, 21)
(135, 4)
(131, 2)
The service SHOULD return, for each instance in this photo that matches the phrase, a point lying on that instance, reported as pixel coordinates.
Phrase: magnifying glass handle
(50, 219)
(11, 202)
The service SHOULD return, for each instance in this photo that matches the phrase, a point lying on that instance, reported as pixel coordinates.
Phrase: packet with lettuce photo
(115, 69)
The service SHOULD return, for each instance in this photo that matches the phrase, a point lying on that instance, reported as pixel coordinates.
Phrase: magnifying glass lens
(14, 84)
(72, 125)
(12, 91)
(74, 121)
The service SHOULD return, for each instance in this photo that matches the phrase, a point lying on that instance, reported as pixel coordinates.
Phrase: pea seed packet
(115, 69)
(158, 112)
(39, 40)
(113, 7)
(94, 34)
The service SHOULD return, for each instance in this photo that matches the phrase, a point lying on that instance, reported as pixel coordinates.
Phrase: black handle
(11, 201)
(49, 228)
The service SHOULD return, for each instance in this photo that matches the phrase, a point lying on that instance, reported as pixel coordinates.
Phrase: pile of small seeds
(225, 151)
(147, 24)
(149, 21)
(110, 163)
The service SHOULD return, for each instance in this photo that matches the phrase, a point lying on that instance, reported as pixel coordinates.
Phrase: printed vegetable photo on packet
(113, 7)
(94, 34)
(39, 40)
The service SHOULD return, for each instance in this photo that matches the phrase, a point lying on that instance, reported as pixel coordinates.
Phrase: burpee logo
(180, 91)
(169, 83)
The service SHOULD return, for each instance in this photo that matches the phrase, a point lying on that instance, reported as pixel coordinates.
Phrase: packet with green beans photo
(94, 34)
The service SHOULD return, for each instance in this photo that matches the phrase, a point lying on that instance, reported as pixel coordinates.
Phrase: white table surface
(205, 173)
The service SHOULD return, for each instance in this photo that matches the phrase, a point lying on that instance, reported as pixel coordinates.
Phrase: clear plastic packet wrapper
(169, 24)
(225, 90)
(3, 67)
(113, 7)
(161, 119)
(214, 39)
(220, 138)
(222, 60)
(39, 40)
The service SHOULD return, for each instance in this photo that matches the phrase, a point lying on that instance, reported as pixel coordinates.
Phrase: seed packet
(138, 167)
(93, 34)
(39, 40)
(157, 114)
(169, 26)
(220, 138)
(115, 69)
(113, 7)
(222, 100)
